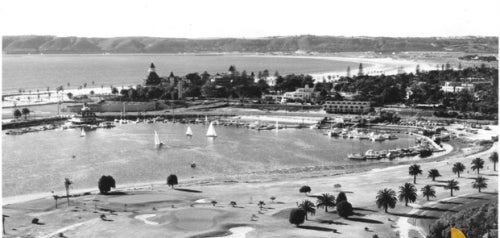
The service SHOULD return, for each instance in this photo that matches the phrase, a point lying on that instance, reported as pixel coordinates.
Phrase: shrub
(297, 216)
(106, 183)
(344, 209)
(305, 189)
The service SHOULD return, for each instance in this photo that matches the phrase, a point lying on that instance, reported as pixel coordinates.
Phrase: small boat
(83, 133)
(211, 131)
(189, 132)
(376, 137)
(158, 142)
(356, 156)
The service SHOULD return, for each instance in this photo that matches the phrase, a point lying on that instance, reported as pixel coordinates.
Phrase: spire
(151, 68)
(171, 75)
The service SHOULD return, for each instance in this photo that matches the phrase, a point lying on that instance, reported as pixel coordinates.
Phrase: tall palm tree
(308, 207)
(458, 168)
(477, 164)
(67, 184)
(480, 182)
(428, 191)
(452, 185)
(415, 170)
(433, 173)
(325, 200)
(494, 159)
(408, 193)
(386, 198)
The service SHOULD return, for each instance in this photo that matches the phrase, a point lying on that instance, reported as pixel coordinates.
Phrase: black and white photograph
(249, 119)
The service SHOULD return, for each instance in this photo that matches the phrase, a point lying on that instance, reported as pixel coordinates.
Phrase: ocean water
(39, 162)
(42, 71)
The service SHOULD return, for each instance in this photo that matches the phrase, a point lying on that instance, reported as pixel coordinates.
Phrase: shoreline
(317, 170)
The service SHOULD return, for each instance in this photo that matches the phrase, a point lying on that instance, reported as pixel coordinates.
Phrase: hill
(288, 44)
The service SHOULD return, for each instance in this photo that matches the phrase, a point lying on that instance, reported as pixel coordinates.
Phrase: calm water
(39, 162)
(40, 72)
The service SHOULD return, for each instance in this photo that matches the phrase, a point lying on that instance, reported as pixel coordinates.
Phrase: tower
(152, 68)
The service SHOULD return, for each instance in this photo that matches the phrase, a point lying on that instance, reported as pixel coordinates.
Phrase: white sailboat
(189, 132)
(206, 119)
(83, 133)
(211, 131)
(277, 126)
(158, 142)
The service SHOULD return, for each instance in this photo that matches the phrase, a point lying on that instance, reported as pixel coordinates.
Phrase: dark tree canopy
(344, 209)
(106, 183)
(305, 189)
(341, 197)
(172, 180)
(297, 216)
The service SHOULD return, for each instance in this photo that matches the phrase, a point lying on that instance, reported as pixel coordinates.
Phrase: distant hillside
(290, 44)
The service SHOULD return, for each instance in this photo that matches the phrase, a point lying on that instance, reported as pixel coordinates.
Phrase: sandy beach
(149, 210)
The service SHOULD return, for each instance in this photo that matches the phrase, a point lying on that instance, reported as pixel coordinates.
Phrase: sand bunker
(238, 232)
(144, 218)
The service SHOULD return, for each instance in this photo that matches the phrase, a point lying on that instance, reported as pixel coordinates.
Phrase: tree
(477, 164)
(458, 168)
(25, 111)
(433, 173)
(114, 90)
(70, 95)
(305, 189)
(386, 198)
(261, 204)
(67, 184)
(232, 203)
(452, 185)
(479, 183)
(273, 198)
(297, 216)
(428, 191)
(344, 209)
(213, 203)
(415, 170)
(360, 70)
(325, 200)
(92, 92)
(494, 158)
(172, 180)
(105, 184)
(308, 207)
(17, 113)
(341, 197)
(408, 193)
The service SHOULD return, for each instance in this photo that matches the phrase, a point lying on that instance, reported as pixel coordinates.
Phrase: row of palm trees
(387, 198)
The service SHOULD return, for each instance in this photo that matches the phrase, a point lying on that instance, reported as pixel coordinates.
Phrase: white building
(301, 94)
(451, 87)
(347, 106)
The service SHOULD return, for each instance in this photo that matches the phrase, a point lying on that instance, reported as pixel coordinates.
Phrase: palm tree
(25, 112)
(386, 198)
(232, 203)
(452, 185)
(480, 182)
(67, 184)
(408, 193)
(433, 173)
(428, 191)
(308, 207)
(325, 200)
(477, 164)
(458, 168)
(494, 159)
(415, 170)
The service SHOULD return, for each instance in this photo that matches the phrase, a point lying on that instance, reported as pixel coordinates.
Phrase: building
(86, 116)
(272, 98)
(451, 87)
(302, 94)
(347, 106)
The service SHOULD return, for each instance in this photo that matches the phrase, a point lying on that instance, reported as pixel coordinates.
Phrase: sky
(250, 18)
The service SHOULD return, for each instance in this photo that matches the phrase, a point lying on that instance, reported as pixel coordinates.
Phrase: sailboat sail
(206, 119)
(83, 133)
(211, 131)
(157, 140)
(189, 132)
(277, 126)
